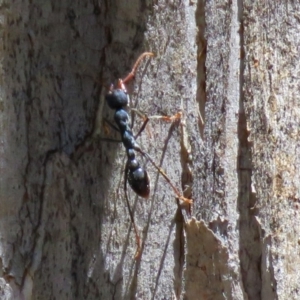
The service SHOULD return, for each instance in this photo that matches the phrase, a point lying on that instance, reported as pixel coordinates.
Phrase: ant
(135, 174)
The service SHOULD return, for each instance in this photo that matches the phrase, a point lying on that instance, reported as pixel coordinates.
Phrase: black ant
(137, 176)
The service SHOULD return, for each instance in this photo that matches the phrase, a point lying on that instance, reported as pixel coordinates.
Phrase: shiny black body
(137, 176)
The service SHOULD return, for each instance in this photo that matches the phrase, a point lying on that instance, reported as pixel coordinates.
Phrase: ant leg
(107, 132)
(137, 237)
(111, 125)
(146, 120)
(173, 118)
(186, 201)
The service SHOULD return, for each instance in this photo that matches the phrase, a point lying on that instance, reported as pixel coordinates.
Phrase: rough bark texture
(231, 67)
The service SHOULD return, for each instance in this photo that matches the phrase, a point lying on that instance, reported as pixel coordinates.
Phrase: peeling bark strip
(207, 264)
(232, 68)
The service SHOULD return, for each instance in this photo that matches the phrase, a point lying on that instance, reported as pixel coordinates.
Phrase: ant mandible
(137, 176)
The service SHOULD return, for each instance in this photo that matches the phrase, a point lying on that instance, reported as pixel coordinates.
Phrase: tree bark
(231, 69)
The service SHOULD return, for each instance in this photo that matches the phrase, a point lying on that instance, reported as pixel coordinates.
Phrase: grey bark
(231, 68)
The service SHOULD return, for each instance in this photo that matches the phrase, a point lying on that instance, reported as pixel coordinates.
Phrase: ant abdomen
(139, 182)
(137, 176)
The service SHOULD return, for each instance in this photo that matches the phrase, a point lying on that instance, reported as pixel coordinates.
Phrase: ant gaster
(137, 176)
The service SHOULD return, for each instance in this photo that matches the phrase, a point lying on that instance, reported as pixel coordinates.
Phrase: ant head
(116, 98)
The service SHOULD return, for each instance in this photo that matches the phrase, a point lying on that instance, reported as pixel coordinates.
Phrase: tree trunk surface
(231, 68)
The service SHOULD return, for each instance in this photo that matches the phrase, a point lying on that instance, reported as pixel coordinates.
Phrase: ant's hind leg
(182, 199)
